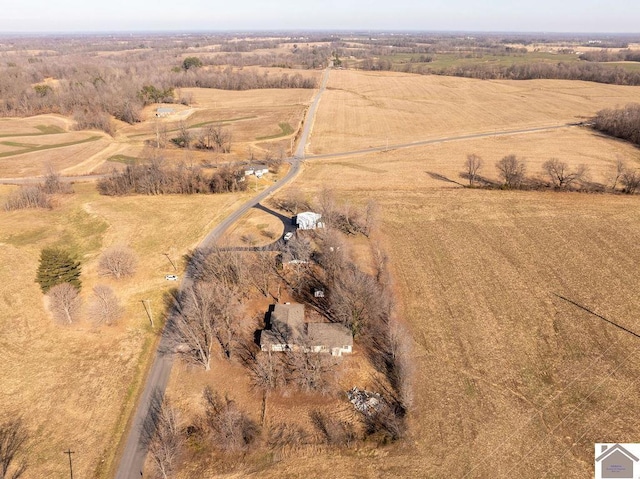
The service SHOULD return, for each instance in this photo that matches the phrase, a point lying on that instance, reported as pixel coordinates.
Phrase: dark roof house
(289, 331)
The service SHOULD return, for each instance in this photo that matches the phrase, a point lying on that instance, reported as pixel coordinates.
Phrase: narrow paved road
(301, 155)
(134, 453)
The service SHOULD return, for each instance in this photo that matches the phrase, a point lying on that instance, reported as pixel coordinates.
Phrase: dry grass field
(366, 109)
(252, 117)
(511, 379)
(259, 121)
(75, 385)
(408, 168)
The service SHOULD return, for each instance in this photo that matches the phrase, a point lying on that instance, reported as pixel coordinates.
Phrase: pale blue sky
(468, 15)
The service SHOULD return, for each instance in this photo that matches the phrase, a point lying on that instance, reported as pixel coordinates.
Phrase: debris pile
(366, 402)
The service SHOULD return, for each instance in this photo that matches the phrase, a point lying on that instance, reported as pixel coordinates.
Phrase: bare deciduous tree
(262, 270)
(28, 196)
(357, 299)
(65, 303)
(371, 218)
(309, 371)
(400, 348)
(118, 262)
(292, 201)
(560, 175)
(619, 170)
(333, 254)
(53, 183)
(630, 179)
(220, 266)
(162, 436)
(232, 429)
(13, 436)
(473, 164)
(511, 169)
(105, 307)
(208, 314)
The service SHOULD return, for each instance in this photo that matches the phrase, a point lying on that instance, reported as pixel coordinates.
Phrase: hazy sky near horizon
(449, 15)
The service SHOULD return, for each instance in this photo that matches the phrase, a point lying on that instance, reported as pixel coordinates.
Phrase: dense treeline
(609, 56)
(536, 71)
(65, 78)
(155, 178)
(231, 79)
(622, 123)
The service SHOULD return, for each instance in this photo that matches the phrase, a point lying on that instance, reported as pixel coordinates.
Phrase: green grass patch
(33, 148)
(205, 123)
(49, 129)
(127, 160)
(44, 130)
(83, 233)
(28, 237)
(286, 130)
(19, 145)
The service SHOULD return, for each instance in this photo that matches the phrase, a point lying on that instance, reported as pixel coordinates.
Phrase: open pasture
(33, 159)
(253, 118)
(404, 169)
(366, 109)
(75, 385)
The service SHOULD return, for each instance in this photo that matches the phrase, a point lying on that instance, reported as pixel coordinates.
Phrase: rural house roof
(331, 335)
(290, 315)
(288, 326)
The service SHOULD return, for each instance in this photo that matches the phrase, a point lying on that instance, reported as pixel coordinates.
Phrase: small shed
(164, 111)
(309, 221)
(256, 170)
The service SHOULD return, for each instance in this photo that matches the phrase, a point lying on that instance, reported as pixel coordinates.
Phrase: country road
(301, 155)
(134, 452)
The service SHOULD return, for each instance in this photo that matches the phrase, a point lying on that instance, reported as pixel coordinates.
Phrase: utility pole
(174, 266)
(69, 452)
(148, 310)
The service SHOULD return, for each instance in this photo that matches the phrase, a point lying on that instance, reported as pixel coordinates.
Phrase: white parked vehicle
(288, 236)
(171, 277)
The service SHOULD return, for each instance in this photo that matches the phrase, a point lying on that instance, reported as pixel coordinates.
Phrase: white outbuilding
(309, 221)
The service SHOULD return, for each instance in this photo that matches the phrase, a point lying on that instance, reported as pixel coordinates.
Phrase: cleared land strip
(435, 141)
(29, 148)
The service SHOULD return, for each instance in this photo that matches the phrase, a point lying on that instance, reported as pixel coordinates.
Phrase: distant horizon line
(309, 30)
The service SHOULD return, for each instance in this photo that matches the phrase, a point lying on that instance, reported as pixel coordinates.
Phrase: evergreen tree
(57, 267)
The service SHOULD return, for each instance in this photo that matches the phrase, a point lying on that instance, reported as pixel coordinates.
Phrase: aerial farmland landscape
(397, 244)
